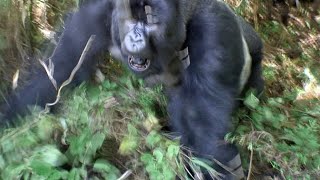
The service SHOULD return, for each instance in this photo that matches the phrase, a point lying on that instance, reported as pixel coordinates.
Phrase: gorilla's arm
(255, 45)
(92, 19)
(254, 42)
(200, 109)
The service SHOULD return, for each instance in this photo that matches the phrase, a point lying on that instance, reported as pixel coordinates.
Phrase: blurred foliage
(26, 34)
(77, 142)
(112, 129)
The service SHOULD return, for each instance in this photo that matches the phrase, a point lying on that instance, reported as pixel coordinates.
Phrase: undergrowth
(103, 131)
(112, 130)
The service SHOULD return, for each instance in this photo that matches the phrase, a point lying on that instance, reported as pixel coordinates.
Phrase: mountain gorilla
(147, 36)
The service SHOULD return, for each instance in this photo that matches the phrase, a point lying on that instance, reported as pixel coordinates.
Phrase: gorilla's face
(148, 39)
(131, 35)
(138, 48)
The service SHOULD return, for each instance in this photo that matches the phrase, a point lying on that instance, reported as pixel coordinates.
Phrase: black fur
(201, 105)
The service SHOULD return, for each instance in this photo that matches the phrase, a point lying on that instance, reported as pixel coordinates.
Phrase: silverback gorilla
(225, 56)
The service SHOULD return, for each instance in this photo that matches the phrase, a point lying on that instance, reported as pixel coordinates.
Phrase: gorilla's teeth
(138, 67)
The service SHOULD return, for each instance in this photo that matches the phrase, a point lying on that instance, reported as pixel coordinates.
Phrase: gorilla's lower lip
(138, 67)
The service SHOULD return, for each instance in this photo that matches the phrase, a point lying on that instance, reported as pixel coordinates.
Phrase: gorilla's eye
(138, 64)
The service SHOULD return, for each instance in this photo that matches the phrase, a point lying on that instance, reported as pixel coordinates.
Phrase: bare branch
(50, 71)
(125, 175)
(76, 68)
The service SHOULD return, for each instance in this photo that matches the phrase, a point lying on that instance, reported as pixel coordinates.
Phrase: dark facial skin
(142, 39)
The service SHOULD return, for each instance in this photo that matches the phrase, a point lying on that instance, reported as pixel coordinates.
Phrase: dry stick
(125, 175)
(50, 71)
(239, 4)
(50, 68)
(255, 17)
(251, 158)
(15, 79)
(65, 83)
(216, 174)
(69, 80)
(250, 165)
(225, 167)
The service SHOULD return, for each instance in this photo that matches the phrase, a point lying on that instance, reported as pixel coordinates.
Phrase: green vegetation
(98, 126)
(112, 129)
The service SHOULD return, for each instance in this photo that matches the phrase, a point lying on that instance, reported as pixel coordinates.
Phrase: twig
(301, 111)
(296, 19)
(250, 164)
(65, 83)
(69, 80)
(251, 157)
(239, 4)
(15, 79)
(125, 175)
(50, 71)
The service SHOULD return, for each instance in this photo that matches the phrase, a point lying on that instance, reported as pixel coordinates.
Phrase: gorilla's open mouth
(138, 64)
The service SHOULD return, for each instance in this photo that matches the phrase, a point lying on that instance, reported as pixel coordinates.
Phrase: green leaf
(13, 171)
(158, 154)
(45, 129)
(168, 173)
(49, 154)
(132, 130)
(109, 85)
(3, 42)
(251, 101)
(276, 102)
(75, 174)
(7, 145)
(97, 141)
(153, 138)
(203, 164)
(173, 151)
(146, 158)
(94, 94)
(58, 175)
(107, 170)
(2, 162)
(128, 145)
(268, 114)
(102, 165)
(111, 176)
(77, 143)
(151, 168)
(41, 168)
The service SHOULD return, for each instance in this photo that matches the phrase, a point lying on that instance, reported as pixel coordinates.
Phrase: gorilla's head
(150, 33)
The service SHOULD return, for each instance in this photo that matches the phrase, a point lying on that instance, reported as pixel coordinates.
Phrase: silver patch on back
(246, 70)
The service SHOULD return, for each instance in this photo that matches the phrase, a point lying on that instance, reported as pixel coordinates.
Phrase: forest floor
(112, 129)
